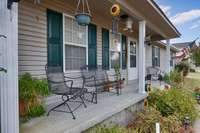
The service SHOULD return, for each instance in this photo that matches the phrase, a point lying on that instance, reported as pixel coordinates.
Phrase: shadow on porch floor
(108, 105)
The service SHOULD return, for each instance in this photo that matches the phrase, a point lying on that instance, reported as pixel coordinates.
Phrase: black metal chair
(59, 86)
(98, 79)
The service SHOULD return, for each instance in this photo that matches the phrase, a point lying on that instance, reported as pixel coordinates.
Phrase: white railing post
(141, 67)
(9, 60)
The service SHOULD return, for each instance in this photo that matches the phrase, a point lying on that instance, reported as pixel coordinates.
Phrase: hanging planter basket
(83, 19)
(82, 14)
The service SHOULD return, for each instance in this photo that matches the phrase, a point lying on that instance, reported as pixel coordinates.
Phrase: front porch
(110, 108)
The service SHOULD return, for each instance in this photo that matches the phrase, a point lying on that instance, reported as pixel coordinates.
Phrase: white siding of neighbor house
(33, 37)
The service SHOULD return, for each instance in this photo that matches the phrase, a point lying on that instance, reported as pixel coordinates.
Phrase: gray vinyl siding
(32, 39)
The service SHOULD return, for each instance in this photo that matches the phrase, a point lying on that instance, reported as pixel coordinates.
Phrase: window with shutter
(105, 49)
(92, 46)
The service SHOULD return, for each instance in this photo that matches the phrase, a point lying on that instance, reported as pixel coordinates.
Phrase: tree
(196, 56)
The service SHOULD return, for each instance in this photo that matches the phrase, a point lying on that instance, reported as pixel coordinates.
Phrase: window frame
(73, 44)
(134, 54)
(156, 56)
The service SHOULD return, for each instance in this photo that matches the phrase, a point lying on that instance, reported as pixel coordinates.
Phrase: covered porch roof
(158, 26)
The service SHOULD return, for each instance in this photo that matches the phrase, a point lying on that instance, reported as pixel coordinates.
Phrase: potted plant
(25, 93)
(118, 76)
(31, 93)
(83, 15)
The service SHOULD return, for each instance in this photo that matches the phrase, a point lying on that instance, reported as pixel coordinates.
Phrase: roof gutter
(152, 2)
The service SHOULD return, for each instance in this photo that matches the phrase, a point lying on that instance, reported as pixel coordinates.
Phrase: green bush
(113, 129)
(145, 123)
(192, 70)
(183, 67)
(29, 87)
(166, 78)
(176, 79)
(36, 111)
(31, 91)
(196, 56)
(177, 102)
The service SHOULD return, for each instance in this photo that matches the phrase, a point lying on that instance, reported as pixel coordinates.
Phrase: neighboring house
(48, 33)
(185, 44)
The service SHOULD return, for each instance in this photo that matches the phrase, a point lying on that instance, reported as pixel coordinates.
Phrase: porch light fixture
(129, 25)
(82, 13)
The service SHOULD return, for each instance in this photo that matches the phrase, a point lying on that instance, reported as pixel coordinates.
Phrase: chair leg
(83, 102)
(56, 107)
(70, 110)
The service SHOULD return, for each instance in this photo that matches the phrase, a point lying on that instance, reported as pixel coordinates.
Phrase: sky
(185, 15)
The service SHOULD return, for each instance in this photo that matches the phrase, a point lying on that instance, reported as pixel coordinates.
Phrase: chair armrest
(115, 75)
(71, 81)
(80, 77)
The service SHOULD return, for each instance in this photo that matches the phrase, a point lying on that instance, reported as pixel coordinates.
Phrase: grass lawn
(192, 81)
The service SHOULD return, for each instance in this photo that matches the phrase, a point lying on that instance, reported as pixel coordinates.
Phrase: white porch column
(9, 61)
(168, 57)
(142, 30)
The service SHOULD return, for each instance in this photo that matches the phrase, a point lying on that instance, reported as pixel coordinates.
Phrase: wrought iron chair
(98, 79)
(59, 86)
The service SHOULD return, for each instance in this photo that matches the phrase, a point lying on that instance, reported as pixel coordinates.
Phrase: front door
(54, 38)
(132, 60)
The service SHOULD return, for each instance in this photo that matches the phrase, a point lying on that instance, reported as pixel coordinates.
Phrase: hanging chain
(85, 7)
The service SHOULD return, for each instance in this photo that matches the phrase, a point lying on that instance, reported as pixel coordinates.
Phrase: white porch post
(9, 61)
(168, 57)
(142, 30)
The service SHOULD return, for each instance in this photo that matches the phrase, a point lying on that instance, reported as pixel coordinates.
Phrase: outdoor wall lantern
(82, 14)
(10, 2)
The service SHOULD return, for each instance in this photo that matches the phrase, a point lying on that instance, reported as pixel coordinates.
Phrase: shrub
(31, 91)
(176, 78)
(192, 70)
(177, 102)
(36, 111)
(183, 67)
(166, 79)
(196, 56)
(145, 123)
(113, 129)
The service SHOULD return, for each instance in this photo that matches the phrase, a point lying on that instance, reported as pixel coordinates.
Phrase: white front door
(132, 60)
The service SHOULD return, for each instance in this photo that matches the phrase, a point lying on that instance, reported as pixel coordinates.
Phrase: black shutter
(105, 49)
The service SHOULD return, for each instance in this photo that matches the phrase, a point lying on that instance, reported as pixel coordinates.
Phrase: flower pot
(83, 19)
(22, 108)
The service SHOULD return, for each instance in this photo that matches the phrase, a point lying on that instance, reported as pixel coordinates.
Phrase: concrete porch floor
(108, 105)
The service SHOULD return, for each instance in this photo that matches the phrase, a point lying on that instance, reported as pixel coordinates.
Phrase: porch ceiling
(100, 10)
(158, 24)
